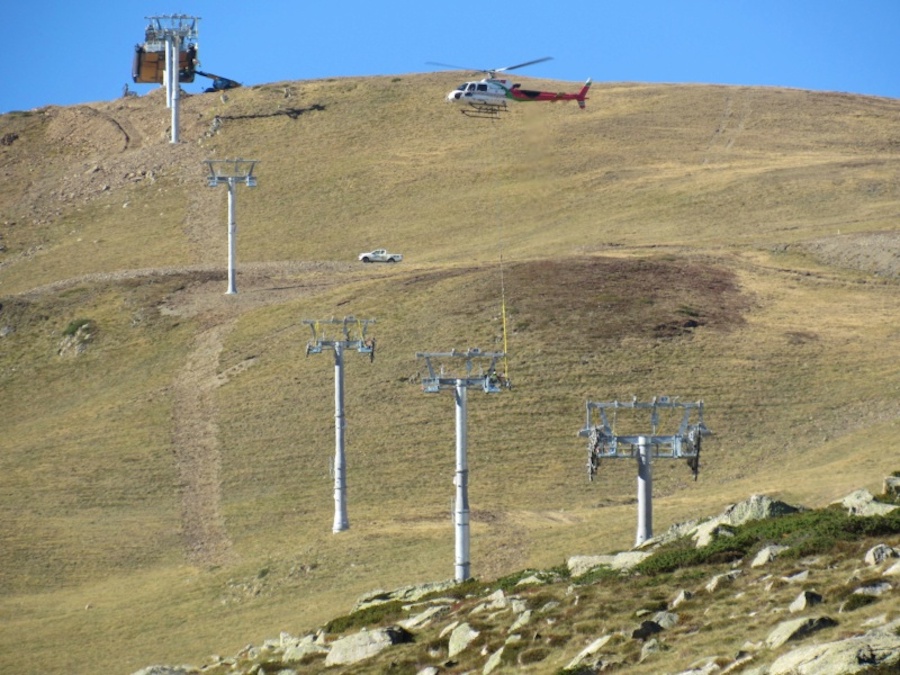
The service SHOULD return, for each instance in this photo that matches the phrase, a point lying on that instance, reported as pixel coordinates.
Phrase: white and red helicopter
(488, 97)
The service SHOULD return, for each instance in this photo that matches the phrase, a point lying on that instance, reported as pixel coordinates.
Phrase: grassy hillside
(167, 486)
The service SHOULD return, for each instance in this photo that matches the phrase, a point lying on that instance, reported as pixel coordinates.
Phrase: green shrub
(73, 326)
(370, 616)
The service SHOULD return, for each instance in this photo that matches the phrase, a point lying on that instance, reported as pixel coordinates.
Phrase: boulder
(797, 629)
(426, 617)
(493, 661)
(682, 597)
(588, 652)
(460, 638)
(582, 564)
(366, 643)
(803, 601)
(720, 579)
(843, 657)
(767, 555)
(862, 503)
(878, 554)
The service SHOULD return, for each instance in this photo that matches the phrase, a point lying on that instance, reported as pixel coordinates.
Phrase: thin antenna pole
(461, 520)
(341, 521)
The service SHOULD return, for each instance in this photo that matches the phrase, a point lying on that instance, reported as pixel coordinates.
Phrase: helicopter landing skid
(484, 111)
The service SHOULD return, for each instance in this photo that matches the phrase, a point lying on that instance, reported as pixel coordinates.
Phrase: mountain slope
(168, 465)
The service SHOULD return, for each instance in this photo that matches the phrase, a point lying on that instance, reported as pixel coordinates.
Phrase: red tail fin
(582, 95)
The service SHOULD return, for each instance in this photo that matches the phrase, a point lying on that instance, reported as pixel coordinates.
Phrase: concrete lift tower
(490, 382)
(353, 336)
(231, 172)
(174, 31)
(605, 443)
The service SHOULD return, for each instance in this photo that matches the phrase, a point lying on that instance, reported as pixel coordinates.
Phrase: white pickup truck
(380, 255)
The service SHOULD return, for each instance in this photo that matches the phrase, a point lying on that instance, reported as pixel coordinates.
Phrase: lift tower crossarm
(605, 443)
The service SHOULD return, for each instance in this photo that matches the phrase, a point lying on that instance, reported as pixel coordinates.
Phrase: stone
(843, 657)
(424, 618)
(665, 620)
(796, 629)
(366, 643)
(682, 597)
(460, 638)
(862, 503)
(720, 579)
(892, 486)
(521, 620)
(878, 554)
(646, 629)
(874, 589)
(493, 661)
(588, 652)
(803, 601)
(767, 555)
(582, 564)
(167, 670)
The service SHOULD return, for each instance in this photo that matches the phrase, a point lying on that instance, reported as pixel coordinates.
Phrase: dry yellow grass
(615, 224)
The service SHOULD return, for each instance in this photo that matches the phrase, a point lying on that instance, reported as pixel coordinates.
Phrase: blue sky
(60, 52)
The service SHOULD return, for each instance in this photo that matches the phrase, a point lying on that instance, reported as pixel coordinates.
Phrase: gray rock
(682, 597)
(404, 594)
(520, 621)
(797, 629)
(493, 661)
(424, 618)
(588, 652)
(362, 645)
(892, 486)
(803, 601)
(582, 564)
(843, 657)
(874, 589)
(460, 638)
(720, 579)
(167, 670)
(665, 619)
(767, 555)
(878, 554)
(862, 503)
(429, 670)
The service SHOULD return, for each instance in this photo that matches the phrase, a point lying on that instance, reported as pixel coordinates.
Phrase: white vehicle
(380, 255)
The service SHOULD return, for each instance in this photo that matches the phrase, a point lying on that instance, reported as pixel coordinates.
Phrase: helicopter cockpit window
(482, 87)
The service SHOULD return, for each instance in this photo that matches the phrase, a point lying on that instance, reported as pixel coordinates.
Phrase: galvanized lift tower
(490, 382)
(173, 30)
(353, 336)
(604, 442)
(230, 172)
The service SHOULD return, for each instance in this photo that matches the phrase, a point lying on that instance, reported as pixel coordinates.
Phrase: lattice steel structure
(231, 172)
(605, 443)
(472, 376)
(352, 335)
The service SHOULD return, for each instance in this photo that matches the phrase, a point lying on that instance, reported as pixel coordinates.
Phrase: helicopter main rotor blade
(522, 65)
(447, 65)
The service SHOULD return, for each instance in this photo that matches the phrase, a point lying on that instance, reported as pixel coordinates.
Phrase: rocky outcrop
(500, 629)
(365, 644)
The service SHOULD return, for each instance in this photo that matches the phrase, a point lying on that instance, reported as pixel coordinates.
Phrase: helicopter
(488, 97)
